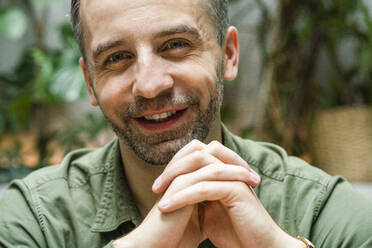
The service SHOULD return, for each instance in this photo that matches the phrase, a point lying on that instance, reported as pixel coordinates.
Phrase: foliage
(320, 59)
(77, 134)
(15, 18)
(45, 78)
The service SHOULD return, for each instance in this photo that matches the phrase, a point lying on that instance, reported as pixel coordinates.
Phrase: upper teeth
(160, 117)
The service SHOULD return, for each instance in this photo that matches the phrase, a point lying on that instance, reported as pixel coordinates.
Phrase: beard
(159, 148)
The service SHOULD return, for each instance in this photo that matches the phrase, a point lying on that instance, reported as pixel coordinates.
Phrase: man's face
(155, 70)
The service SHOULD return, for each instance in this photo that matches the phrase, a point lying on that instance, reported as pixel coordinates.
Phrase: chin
(162, 152)
(159, 149)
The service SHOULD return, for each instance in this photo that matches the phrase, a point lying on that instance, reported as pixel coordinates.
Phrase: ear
(89, 83)
(232, 51)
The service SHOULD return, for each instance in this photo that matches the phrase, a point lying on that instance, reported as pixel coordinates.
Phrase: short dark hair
(218, 10)
(220, 17)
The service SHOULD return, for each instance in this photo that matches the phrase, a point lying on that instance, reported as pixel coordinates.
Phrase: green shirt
(85, 201)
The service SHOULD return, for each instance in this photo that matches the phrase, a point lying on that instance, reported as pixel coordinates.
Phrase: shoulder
(77, 176)
(273, 162)
(75, 169)
(285, 177)
(56, 200)
(301, 198)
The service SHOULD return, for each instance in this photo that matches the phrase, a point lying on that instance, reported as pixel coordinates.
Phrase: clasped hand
(230, 215)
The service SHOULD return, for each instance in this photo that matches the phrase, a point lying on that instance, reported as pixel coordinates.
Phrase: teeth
(160, 117)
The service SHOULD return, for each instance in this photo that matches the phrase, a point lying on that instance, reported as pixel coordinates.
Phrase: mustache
(141, 104)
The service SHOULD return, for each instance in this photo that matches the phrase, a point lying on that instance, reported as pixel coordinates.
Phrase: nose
(152, 78)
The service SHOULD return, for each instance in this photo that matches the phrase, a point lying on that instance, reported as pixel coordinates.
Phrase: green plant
(45, 78)
(77, 134)
(320, 58)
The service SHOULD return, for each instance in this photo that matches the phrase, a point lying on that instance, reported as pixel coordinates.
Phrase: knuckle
(203, 188)
(179, 178)
(245, 173)
(169, 165)
(195, 142)
(214, 147)
(167, 173)
(200, 156)
(216, 170)
(215, 142)
(178, 181)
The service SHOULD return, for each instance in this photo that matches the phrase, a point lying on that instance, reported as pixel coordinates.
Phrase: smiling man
(174, 176)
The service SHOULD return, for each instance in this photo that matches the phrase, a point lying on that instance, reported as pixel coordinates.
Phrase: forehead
(139, 18)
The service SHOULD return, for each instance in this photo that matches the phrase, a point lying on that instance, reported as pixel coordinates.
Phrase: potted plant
(319, 59)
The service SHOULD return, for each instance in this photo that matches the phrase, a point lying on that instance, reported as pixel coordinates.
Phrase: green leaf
(68, 83)
(13, 23)
(44, 76)
(20, 110)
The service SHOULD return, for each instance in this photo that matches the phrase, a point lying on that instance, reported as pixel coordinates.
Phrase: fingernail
(157, 183)
(164, 204)
(255, 177)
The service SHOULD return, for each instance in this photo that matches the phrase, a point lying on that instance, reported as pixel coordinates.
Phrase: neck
(141, 175)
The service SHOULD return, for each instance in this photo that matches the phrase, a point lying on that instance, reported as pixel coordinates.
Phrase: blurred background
(305, 83)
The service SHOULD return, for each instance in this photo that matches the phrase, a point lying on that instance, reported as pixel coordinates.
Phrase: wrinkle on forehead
(124, 15)
(99, 10)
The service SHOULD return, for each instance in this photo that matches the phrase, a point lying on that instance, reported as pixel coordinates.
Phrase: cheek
(112, 93)
(199, 78)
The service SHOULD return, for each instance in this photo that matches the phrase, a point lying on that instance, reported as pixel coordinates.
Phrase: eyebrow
(180, 29)
(101, 48)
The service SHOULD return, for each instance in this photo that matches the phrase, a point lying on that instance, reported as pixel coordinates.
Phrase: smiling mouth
(161, 121)
(160, 117)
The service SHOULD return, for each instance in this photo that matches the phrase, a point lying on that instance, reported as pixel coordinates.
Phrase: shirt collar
(264, 158)
(116, 205)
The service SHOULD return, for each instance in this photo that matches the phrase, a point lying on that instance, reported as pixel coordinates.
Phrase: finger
(222, 172)
(186, 164)
(192, 234)
(212, 153)
(225, 154)
(217, 226)
(191, 147)
(214, 172)
(202, 191)
(194, 145)
(228, 156)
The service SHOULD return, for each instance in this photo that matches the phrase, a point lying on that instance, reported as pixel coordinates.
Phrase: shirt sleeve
(345, 219)
(19, 226)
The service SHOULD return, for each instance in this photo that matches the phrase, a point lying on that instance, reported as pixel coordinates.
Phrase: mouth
(160, 117)
(162, 120)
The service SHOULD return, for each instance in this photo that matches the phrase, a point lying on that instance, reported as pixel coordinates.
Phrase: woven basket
(342, 142)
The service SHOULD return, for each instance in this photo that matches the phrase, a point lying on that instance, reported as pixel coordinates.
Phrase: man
(175, 177)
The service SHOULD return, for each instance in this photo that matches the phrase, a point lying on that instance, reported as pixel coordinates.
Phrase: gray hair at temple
(217, 9)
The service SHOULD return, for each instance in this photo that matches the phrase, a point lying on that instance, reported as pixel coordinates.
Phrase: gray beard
(159, 149)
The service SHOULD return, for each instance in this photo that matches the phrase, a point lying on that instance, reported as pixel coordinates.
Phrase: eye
(117, 57)
(175, 44)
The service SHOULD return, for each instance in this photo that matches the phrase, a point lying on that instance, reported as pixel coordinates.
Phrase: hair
(217, 9)
(219, 16)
